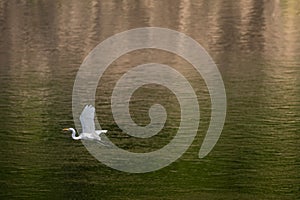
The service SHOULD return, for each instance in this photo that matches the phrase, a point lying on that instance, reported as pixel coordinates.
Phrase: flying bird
(88, 126)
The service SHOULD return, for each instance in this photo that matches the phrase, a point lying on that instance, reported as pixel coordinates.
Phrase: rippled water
(256, 46)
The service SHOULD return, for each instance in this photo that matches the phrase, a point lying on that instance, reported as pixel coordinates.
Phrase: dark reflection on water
(256, 45)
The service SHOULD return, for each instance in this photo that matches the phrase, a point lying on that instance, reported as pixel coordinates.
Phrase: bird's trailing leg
(99, 132)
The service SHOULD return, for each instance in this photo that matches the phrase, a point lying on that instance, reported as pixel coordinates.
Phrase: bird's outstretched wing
(87, 119)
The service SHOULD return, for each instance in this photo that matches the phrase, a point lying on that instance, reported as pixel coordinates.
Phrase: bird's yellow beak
(65, 129)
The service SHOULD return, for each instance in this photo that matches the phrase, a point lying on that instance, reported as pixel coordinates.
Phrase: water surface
(256, 46)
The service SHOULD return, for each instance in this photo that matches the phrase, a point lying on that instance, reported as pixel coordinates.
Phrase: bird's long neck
(74, 134)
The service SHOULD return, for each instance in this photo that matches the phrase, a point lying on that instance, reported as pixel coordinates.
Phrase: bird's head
(66, 129)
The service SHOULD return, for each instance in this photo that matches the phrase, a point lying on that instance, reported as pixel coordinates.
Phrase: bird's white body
(88, 126)
(87, 136)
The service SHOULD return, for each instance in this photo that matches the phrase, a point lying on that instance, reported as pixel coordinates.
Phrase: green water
(256, 46)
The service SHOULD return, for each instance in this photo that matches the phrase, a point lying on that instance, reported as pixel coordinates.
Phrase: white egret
(88, 126)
